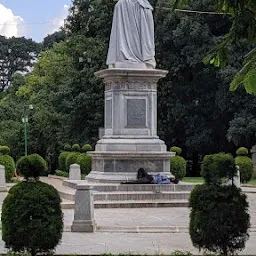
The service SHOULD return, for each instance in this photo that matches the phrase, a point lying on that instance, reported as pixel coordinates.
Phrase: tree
(16, 55)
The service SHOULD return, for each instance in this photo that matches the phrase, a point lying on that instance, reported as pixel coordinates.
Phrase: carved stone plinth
(130, 140)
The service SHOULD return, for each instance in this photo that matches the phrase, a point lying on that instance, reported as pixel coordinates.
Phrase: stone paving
(137, 243)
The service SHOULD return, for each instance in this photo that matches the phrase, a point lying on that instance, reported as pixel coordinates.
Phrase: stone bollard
(74, 172)
(236, 179)
(2, 179)
(84, 210)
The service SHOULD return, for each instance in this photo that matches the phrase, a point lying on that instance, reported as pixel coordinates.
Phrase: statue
(132, 36)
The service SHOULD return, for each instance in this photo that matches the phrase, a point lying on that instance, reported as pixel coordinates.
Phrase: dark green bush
(85, 163)
(61, 173)
(71, 159)
(62, 161)
(76, 148)
(86, 147)
(218, 166)
(67, 147)
(245, 167)
(9, 165)
(32, 166)
(242, 151)
(219, 218)
(177, 150)
(4, 150)
(32, 219)
(178, 167)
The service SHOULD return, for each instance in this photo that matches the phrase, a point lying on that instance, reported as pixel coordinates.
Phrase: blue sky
(32, 18)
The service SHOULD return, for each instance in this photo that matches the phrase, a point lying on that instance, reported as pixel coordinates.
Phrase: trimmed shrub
(219, 218)
(67, 147)
(216, 167)
(242, 151)
(4, 150)
(245, 167)
(178, 167)
(71, 159)
(85, 163)
(86, 147)
(177, 150)
(32, 166)
(9, 165)
(76, 148)
(32, 220)
(62, 161)
(61, 173)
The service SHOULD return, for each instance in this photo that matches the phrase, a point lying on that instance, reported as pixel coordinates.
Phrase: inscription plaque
(136, 113)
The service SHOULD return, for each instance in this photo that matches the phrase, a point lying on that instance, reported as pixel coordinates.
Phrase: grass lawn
(200, 180)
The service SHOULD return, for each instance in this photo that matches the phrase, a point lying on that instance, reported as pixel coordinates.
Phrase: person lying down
(144, 178)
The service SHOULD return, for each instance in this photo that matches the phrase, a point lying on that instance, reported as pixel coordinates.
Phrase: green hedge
(5, 150)
(76, 148)
(177, 150)
(86, 147)
(242, 151)
(9, 165)
(71, 159)
(67, 147)
(178, 167)
(62, 161)
(32, 220)
(216, 167)
(85, 163)
(61, 173)
(245, 167)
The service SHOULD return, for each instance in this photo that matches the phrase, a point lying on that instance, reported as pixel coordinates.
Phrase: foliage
(62, 161)
(61, 173)
(9, 165)
(5, 150)
(86, 147)
(177, 150)
(76, 148)
(71, 159)
(67, 147)
(242, 151)
(245, 167)
(32, 219)
(32, 166)
(216, 167)
(85, 163)
(219, 218)
(178, 167)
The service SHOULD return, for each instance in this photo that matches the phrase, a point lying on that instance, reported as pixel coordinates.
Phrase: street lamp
(25, 122)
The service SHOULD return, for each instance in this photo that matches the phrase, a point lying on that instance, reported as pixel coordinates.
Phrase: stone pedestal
(130, 140)
(74, 172)
(84, 210)
(3, 187)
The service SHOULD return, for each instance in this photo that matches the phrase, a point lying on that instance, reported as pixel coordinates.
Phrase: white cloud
(9, 23)
(57, 22)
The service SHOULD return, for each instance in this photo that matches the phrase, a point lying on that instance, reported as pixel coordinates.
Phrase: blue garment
(160, 179)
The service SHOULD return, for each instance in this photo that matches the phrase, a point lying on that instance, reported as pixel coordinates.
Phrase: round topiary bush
(32, 166)
(85, 163)
(178, 167)
(218, 166)
(86, 147)
(177, 150)
(9, 165)
(32, 220)
(245, 167)
(76, 148)
(71, 159)
(242, 151)
(4, 150)
(67, 147)
(62, 161)
(219, 218)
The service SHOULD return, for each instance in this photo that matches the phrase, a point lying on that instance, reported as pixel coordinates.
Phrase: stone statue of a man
(132, 36)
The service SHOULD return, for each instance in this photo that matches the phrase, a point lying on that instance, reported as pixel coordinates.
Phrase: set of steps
(127, 195)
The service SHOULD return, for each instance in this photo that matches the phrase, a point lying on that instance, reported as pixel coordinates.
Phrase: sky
(32, 18)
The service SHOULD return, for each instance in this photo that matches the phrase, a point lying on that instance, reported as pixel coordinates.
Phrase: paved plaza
(152, 231)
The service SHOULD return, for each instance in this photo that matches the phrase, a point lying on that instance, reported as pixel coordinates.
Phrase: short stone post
(2, 179)
(236, 179)
(84, 210)
(74, 172)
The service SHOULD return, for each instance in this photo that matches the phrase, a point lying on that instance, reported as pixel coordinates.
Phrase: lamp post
(25, 122)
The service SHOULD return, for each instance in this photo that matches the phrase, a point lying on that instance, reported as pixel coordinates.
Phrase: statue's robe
(132, 34)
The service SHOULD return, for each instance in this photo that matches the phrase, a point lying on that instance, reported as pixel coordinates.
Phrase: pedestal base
(83, 226)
